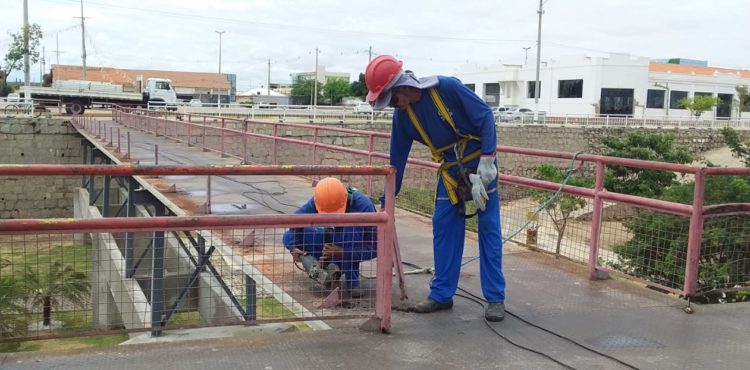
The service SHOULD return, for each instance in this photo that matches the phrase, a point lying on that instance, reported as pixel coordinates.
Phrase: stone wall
(38, 141)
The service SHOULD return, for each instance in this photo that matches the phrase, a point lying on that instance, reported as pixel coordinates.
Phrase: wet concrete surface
(575, 317)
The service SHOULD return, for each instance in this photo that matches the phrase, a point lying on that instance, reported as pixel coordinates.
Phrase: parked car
(362, 108)
(13, 97)
(520, 115)
(195, 103)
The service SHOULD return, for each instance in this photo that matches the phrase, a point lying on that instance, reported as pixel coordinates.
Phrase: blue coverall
(358, 242)
(472, 117)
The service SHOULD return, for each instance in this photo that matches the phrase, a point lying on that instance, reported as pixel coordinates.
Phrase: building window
(616, 102)
(471, 87)
(697, 94)
(675, 97)
(492, 93)
(655, 99)
(530, 89)
(570, 89)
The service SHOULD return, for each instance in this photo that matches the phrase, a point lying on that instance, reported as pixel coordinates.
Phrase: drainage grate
(623, 341)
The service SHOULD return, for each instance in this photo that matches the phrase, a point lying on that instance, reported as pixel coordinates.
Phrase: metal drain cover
(623, 341)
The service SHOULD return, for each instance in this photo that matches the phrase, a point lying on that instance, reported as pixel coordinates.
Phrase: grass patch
(40, 258)
(100, 341)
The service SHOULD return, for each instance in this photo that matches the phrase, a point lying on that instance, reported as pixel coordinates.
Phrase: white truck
(78, 95)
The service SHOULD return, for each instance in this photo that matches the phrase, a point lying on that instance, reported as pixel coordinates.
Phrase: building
(188, 85)
(263, 96)
(616, 85)
(323, 75)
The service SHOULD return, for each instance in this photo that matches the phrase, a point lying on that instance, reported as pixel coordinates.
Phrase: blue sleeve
(294, 238)
(401, 143)
(479, 114)
(359, 242)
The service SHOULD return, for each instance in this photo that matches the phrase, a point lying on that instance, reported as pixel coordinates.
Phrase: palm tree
(50, 288)
(11, 311)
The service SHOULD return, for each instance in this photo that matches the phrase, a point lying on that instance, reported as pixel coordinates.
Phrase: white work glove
(478, 192)
(487, 170)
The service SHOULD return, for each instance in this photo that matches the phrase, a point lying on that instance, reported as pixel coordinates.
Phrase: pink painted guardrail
(696, 211)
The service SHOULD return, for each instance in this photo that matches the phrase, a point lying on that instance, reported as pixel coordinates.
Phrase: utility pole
(526, 55)
(269, 80)
(41, 66)
(26, 67)
(83, 41)
(538, 60)
(218, 97)
(57, 46)
(315, 84)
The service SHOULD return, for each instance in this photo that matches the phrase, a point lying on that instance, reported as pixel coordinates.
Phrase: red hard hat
(380, 73)
(330, 196)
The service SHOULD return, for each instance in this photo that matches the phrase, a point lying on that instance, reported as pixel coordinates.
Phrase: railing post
(129, 241)
(127, 156)
(156, 154)
(370, 149)
(203, 135)
(315, 146)
(244, 143)
(221, 139)
(596, 222)
(119, 148)
(386, 248)
(274, 159)
(695, 236)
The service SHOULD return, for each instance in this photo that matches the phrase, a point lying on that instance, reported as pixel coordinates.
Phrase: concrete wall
(35, 141)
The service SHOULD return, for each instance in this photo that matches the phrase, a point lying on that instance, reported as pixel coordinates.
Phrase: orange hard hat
(330, 196)
(380, 75)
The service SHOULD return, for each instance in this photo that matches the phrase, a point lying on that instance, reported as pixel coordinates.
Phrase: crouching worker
(327, 253)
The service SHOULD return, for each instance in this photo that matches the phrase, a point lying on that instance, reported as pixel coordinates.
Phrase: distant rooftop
(128, 77)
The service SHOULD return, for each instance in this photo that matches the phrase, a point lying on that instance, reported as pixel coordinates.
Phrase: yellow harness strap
(437, 153)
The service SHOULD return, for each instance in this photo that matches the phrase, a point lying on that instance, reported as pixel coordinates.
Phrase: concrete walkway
(617, 318)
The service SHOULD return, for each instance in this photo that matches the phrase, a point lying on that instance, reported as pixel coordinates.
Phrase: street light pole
(526, 55)
(538, 60)
(218, 97)
(26, 64)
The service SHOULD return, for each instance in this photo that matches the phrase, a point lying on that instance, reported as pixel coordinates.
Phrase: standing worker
(326, 253)
(459, 128)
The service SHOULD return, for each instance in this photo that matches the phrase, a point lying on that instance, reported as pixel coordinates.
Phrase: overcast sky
(432, 37)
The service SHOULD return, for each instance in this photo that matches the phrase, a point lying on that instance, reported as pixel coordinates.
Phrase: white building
(263, 96)
(616, 85)
(322, 75)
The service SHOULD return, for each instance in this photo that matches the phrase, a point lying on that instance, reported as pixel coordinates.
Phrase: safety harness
(451, 184)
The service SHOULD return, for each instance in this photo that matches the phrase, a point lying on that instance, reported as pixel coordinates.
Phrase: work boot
(430, 305)
(495, 312)
(354, 292)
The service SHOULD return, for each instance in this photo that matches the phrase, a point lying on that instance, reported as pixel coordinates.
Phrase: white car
(195, 103)
(520, 115)
(13, 97)
(362, 108)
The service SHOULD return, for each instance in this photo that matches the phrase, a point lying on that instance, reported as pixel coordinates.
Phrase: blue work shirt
(358, 242)
(471, 115)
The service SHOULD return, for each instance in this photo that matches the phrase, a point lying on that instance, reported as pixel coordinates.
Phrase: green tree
(561, 208)
(16, 49)
(742, 100)
(12, 312)
(658, 248)
(646, 146)
(5, 89)
(699, 104)
(50, 288)
(302, 91)
(739, 149)
(359, 88)
(335, 89)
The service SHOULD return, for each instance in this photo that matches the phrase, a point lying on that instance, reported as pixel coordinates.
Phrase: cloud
(431, 37)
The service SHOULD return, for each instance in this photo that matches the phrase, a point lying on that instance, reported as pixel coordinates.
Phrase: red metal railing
(598, 193)
(384, 221)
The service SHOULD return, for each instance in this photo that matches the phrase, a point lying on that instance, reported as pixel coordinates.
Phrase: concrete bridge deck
(643, 328)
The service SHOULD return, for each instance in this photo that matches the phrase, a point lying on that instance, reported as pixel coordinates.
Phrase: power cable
(569, 173)
(579, 344)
